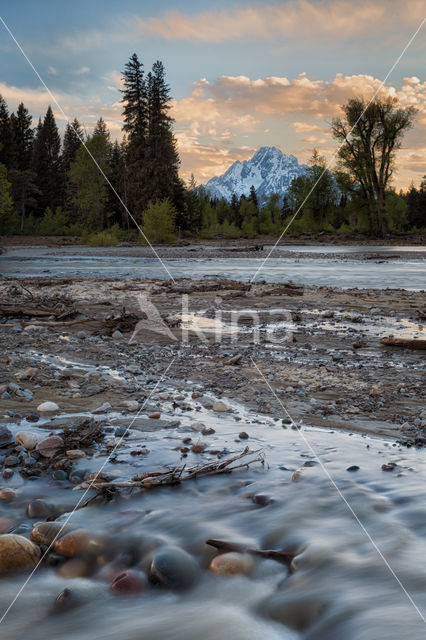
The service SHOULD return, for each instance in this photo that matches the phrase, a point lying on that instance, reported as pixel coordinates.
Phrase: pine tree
(162, 156)
(118, 179)
(253, 197)
(23, 136)
(135, 114)
(46, 163)
(6, 138)
(73, 138)
(8, 222)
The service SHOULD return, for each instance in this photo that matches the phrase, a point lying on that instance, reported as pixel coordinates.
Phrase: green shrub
(53, 224)
(159, 222)
(105, 238)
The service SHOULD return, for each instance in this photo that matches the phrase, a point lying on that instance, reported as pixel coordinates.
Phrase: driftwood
(58, 323)
(404, 342)
(32, 310)
(288, 290)
(174, 476)
(381, 256)
(283, 557)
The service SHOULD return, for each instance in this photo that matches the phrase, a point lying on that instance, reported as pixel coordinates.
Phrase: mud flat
(151, 376)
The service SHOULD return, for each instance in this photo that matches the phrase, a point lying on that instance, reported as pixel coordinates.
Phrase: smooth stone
(50, 446)
(220, 406)
(75, 453)
(72, 543)
(59, 474)
(353, 467)
(81, 335)
(22, 529)
(173, 568)
(243, 435)
(129, 581)
(117, 335)
(228, 564)
(28, 439)
(131, 405)
(6, 436)
(7, 494)
(17, 552)
(65, 601)
(74, 568)
(11, 461)
(46, 407)
(46, 532)
(40, 509)
(155, 415)
(102, 409)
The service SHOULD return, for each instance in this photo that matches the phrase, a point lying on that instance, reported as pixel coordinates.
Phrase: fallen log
(407, 343)
(58, 323)
(173, 476)
(283, 557)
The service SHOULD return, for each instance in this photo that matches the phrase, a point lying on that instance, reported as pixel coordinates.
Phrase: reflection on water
(341, 588)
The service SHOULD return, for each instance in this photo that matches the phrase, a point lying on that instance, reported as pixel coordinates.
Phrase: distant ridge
(269, 170)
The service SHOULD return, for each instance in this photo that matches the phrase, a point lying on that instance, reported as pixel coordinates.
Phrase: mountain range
(269, 171)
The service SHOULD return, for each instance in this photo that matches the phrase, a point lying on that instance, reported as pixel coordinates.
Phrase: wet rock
(59, 474)
(353, 467)
(75, 453)
(32, 417)
(199, 447)
(208, 431)
(295, 612)
(220, 407)
(73, 543)
(131, 405)
(117, 335)
(262, 500)
(65, 601)
(390, 466)
(46, 532)
(7, 473)
(47, 407)
(129, 581)
(106, 406)
(243, 435)
(50, 446)
(22, 529)
(228, 564)
(7, 495)
(74, 568)
(155, 415)
(16, 552)
(28, 439)
(81, 335)
(173, 568)
(11, 461)
(121, 432)
(40, 509)
(6, 436)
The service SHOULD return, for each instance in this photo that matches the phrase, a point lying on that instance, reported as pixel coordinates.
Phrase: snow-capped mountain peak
(269, 171)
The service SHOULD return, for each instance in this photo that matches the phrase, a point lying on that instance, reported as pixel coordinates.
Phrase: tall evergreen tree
(118, 179)
(73, 138)
(46, 163)
(23, 136)
(6, 138)
(135, 114)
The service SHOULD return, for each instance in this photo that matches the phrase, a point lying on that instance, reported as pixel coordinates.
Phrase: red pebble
(129, 581)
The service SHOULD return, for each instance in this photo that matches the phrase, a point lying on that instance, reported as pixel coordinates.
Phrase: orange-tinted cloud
(299, 18)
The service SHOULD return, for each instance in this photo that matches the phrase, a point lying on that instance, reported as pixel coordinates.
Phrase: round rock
(228, 564)
(46, 407)
(129, 581)
(16, 552)
(173, 568)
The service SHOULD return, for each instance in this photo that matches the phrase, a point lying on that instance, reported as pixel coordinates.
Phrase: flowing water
(361, 536)
(404, 273)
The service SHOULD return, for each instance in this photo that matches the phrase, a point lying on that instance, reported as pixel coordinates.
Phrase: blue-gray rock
(173, 568)
(6, 436)
(40, 509)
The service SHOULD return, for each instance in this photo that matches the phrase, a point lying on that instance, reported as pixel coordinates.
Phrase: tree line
(85, 184)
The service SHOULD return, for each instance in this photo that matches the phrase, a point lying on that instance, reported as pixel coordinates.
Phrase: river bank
(152, 375)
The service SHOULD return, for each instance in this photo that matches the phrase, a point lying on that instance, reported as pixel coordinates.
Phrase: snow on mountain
(269, 170)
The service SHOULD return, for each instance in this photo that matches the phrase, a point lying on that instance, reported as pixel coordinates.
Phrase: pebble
(46, 407)
(7, 494)
(75, 453)
(72, 543)
(117, 335)
(155, 415)
(28, 439)
(50, 446)
(102, 409)
(243, 435)
(11, 461)
(131, 405)
(40, 509)
(46, 532)
(173, 568)
(129, 581)
(65, 601)
(220, 406)
(353, 467)
(81, 335)
(228, 564)
(6, 436)
(74, 568)
(16, 552)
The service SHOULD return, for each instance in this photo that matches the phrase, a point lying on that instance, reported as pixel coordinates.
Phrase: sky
(242, 74)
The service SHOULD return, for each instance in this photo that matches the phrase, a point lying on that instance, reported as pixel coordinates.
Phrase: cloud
(82, 70)
(296, 19)
(52, 71)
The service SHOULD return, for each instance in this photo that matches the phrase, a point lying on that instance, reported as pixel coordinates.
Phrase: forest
(86, 185)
